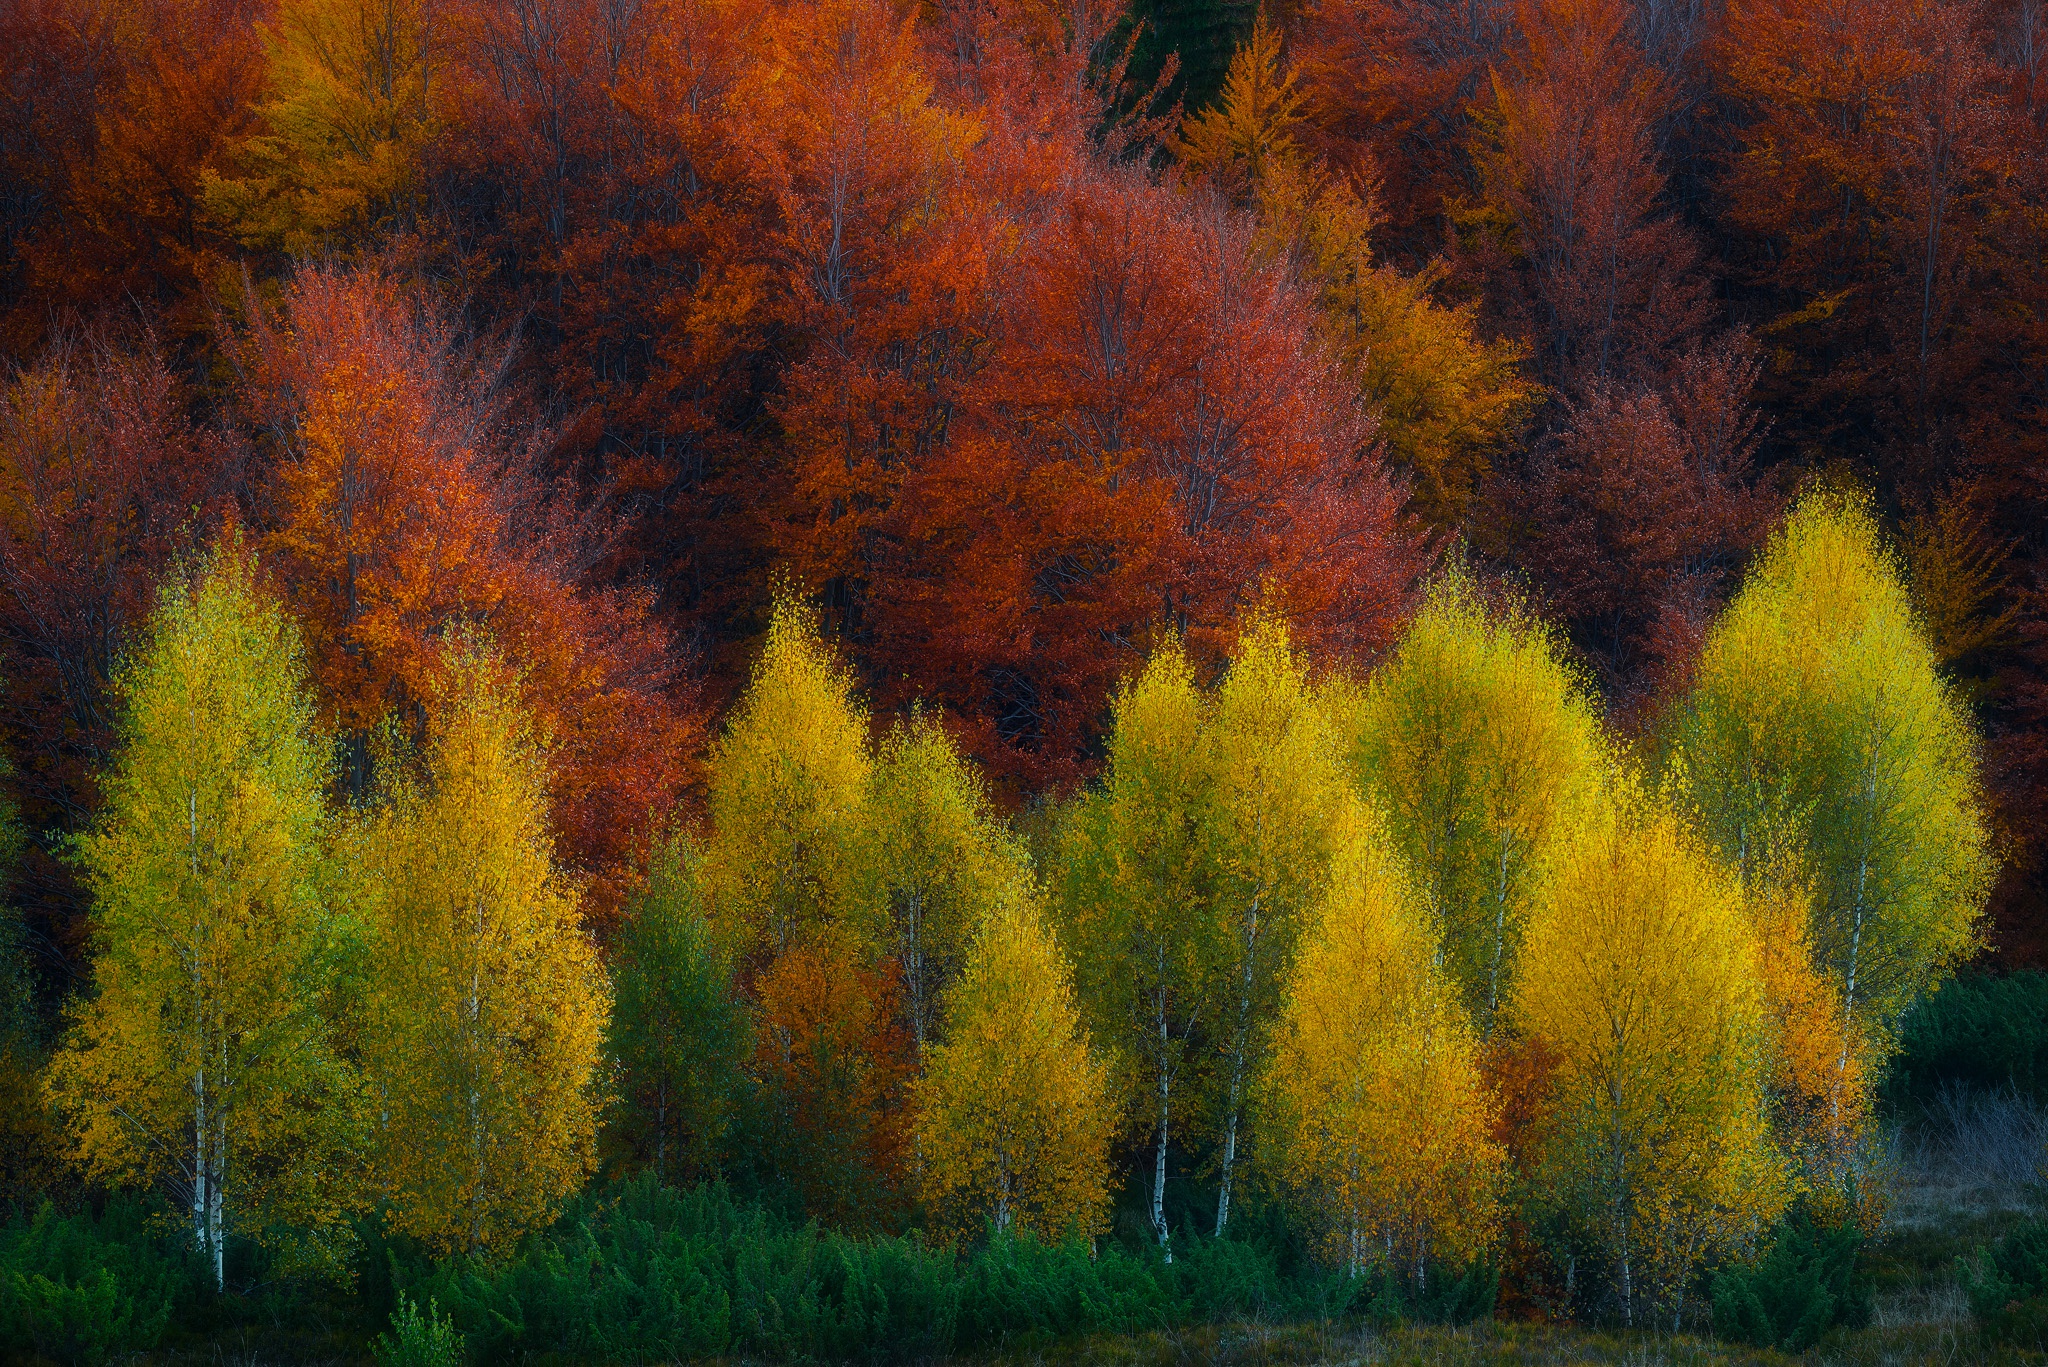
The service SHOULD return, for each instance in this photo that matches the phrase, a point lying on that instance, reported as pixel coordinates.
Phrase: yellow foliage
(352, 85)
(1445, 397)
(1014, 1114)
(486, 1003)
(1481, 746)
(788, 779)
(1820, 743)
(928, 859)
(1276, 787)
(1377, 1120)
(201, 1057)
(1640, 977)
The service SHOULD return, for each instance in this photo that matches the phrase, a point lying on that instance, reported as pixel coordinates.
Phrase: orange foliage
(406, 503)
(111, 111)
(837, 1064)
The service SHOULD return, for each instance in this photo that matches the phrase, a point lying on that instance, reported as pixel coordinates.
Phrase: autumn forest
(842, 679)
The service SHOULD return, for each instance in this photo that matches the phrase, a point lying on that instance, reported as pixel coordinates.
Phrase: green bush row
(648, 1271)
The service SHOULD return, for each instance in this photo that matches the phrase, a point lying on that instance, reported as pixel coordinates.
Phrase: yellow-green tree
(1275, 787)
(1132, 905)
(927, 860)
(1639, 977)
(1821, 740)
(788, 779)
(1446, 398)
(487, 1007)
(1014, 1111)
(1480, 745)
(201, 1056)
(352, 87)
(1376, 1120)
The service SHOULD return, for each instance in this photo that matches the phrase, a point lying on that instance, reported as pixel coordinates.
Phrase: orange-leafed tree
(405, 503)
(1581, 253)
(835, 1064)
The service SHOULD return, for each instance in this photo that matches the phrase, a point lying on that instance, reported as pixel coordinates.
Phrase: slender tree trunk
(1165, 1125)
(1240, 1046)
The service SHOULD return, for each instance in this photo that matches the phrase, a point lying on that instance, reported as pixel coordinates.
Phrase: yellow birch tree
(1639, 976)
(1132, 905)
(201, 1058)
(1821, 743)
(1480, 746)
(788, 780)
(487, 1006)
(1275, 788)
(1376, 1119)
(1014, 1111)
(927, 861)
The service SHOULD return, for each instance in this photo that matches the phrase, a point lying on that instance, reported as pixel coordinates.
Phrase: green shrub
(2008, 1287)
(1980, 1031)
(78, 1289)
(417, 1342)
(1804, 1286)
(649, 1272)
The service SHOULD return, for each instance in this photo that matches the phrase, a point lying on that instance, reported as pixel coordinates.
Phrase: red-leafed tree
(1581, 253)
(403, 502)
(103, 483)
(1639, 509)
(110, 110)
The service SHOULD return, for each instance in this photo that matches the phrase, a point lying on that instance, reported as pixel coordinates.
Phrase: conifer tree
(677, 1027)
(487, 1007)
(1015, 1115)
(1377, 1121)
(201, 1056)
(1821, 744)
(1639, 976)
(1479, 744)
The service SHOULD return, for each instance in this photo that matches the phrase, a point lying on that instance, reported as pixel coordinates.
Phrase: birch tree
(200, 1058)
(1479, 743)
(928, 860)
(1820, 744)
(1014, 1111)
(1276, 783)
(1640, 976)
(787, 780)
(487, 1006)
(1377, 1121)
(1135, 908)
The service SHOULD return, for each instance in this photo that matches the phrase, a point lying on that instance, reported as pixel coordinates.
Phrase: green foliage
(78, 1289)
(1805, 1285)
(2008, 1287)
(677, 1030)
(417, 1342)
(647, 1271)
(1978, 1030)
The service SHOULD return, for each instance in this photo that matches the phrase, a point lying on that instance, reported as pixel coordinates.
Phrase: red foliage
(404, 501)
(1640, 508)
(1592, 268)
(102, 483)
